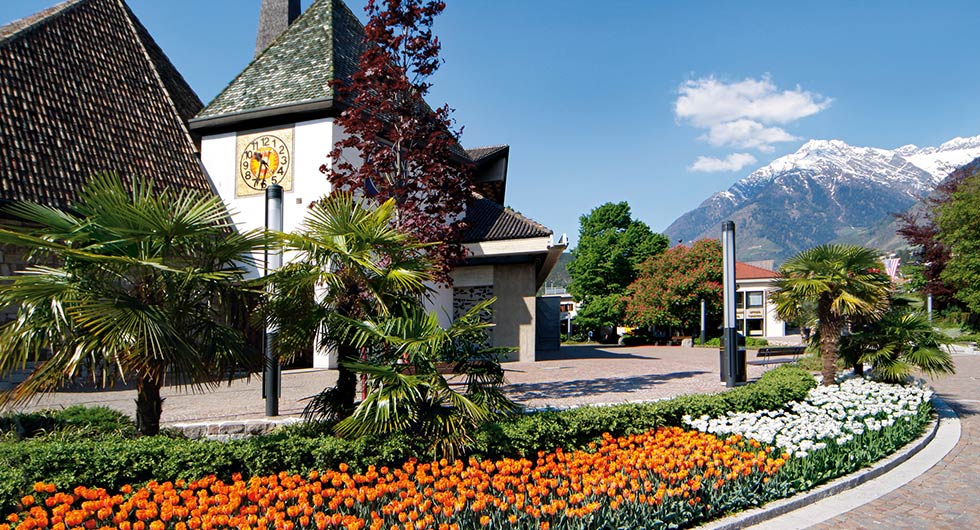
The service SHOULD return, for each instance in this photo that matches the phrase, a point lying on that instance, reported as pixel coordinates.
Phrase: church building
(67, 112)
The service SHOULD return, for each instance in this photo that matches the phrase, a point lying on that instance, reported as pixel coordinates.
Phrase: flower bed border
(841, 484)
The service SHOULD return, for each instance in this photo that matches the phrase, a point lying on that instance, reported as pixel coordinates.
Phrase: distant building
(756, 315)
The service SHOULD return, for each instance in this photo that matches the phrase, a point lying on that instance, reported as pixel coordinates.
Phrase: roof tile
(85, 90)
(323, 43)
(489, 221)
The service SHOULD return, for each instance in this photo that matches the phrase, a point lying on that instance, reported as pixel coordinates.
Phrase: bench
(676, 340)
(764, 357)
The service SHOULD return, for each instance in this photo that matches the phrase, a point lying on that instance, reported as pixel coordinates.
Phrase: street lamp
(273, 261)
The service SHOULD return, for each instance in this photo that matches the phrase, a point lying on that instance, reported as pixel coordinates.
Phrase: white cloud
(707, 101)
(742, 114)
(746, 134)
(732, 162)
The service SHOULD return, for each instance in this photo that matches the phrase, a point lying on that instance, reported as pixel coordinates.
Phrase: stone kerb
(230, 430)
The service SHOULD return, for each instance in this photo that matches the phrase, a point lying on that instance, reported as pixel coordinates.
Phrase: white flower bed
(837, 412)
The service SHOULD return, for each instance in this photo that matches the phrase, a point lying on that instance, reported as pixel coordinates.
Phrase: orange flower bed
(669, 475)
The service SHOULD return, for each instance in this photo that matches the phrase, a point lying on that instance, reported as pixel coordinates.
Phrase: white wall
(312, 141)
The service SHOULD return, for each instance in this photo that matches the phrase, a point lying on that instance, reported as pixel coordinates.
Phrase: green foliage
(74, 420)
(600, 311)
(903, 339)
(406, 391)
(361, 266)
(575, 428)
(610, 248)
(845, 283)
(147, 283)
(959, 229)
(750, 342)
(670, 286)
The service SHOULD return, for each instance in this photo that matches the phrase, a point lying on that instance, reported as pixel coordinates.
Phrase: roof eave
(273, 113)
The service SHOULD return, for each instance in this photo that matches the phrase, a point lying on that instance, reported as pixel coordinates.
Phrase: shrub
(96, 421)
(750, 342)
(575, 428)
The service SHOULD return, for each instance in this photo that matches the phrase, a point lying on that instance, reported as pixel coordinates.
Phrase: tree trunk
(149, 405)
(859, 368)
(346, 378)
(830, 329)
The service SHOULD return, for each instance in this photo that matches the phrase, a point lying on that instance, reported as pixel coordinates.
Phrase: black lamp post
(273, 260)
(730, 336)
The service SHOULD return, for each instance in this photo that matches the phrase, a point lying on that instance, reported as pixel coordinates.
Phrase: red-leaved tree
(670, 286)
(918, 228)
(405, 149)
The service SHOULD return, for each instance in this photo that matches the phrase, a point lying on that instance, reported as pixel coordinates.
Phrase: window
(756, 298)
(739, 300)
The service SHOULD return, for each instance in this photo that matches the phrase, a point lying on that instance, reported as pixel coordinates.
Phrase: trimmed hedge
(76, 419)
(112, 461)
(575, 428)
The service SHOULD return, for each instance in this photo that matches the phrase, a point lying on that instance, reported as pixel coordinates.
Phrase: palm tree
(147, 283)
(844, 282)
(348, 261)
(409, 392)
(902, 340)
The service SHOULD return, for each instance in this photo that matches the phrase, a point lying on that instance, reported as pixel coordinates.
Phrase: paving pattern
(946, 497)
(575, 375)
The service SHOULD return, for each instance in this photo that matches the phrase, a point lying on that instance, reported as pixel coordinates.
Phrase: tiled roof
(478, 154)
(85, 90)
(324, 43)
(744, 271)
(489, 221)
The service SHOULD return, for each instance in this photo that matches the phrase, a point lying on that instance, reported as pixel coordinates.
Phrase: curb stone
(230, 430)
(839, 485)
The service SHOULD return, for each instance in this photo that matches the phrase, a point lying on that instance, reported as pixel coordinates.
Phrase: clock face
(264, 159)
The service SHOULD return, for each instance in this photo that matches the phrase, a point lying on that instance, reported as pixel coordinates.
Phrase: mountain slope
(826, 191)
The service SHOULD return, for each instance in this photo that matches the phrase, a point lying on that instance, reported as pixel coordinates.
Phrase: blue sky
(616, 100)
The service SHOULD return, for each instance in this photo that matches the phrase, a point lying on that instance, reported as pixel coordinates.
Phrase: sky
(656, 103)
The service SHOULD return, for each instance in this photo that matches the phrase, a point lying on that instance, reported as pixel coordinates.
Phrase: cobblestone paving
(575, 375)
(948, 495)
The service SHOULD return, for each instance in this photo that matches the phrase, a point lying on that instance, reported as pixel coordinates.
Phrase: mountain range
(827, 191)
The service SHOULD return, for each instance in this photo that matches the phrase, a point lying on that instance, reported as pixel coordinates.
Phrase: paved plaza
(575, 375)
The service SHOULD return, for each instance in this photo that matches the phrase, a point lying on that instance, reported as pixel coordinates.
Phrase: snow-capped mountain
(825, 191)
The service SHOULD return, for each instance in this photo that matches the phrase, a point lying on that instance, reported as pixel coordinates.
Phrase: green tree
(610, 249)
(360, 266)
(408, 391)
(844, 282)
(670, 287)
(903, 339)
(148, 283)
(959, 229)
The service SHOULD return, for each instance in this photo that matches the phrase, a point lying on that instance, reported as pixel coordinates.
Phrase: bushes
(750, 342)
(91, 420)
(112, 461)
(575, 428)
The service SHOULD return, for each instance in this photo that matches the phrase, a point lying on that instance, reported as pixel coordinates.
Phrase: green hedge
(575, 428)
(76, 419)
(111, 461)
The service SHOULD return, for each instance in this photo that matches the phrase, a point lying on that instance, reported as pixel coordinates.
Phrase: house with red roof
(755, 314)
